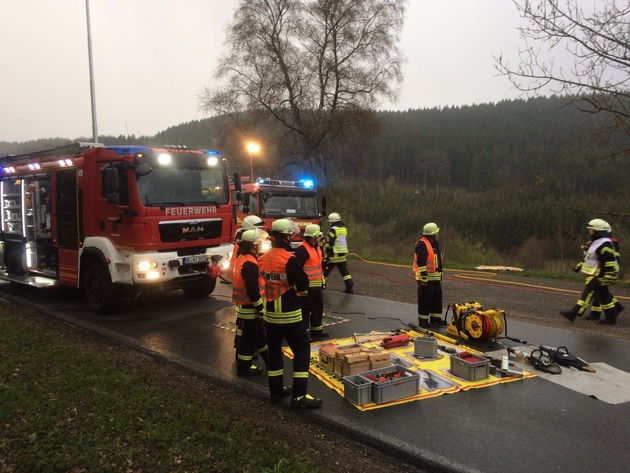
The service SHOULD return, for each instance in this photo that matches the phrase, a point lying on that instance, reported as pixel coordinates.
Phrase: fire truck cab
(115, 220)
(271, 199)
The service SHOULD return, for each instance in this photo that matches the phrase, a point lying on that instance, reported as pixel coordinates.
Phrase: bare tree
(596, 35)
(313, 71)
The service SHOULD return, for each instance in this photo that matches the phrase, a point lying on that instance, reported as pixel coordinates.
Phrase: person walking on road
(284, 279)
(337, 251)
(601, 268)
(247, 291)
(427, 266)
(309, 253)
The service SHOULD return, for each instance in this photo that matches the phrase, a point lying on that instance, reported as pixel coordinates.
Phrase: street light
(252, 149)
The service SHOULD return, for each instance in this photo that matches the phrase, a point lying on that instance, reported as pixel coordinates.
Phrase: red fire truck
(272, 199)
(115, 220)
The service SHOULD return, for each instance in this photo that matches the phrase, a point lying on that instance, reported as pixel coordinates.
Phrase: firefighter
(427, 266)
(249, 223)
(247, 292)
(284, 279)
(336, 249)
(310, 255)
(601, 268)
(596, 307)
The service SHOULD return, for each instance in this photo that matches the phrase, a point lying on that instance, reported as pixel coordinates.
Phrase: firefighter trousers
(313, 309)
(297, 339)
(252, 338)
(342, 266)
(430, 299)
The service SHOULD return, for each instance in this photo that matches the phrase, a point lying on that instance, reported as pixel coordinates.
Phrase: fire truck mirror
(111, 181)
(238, 185)
(143, 169)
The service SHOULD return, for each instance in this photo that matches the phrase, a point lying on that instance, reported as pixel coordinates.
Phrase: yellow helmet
(251, 221)
(430, 229)
(282, 225)
(312, 230)
(334, 217)
(599, 225)
(254, 236)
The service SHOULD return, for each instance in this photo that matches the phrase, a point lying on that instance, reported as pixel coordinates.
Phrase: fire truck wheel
(98, 289)
(202, 288)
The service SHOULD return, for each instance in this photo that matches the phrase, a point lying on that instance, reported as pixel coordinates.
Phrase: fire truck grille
(190, 230)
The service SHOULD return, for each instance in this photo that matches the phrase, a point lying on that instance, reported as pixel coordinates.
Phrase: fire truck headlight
(213, 161)
(146, 265)
(152, 274)
(164, 159)
(265, 246)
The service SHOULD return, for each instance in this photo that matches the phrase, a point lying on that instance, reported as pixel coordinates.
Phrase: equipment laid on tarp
(471, 322)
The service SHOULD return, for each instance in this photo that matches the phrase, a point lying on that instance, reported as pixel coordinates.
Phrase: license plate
(195, 259)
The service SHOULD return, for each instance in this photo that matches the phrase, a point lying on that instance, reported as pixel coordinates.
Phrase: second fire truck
(271, 199)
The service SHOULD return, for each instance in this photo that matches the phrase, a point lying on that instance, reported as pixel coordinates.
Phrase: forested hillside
(512, 182)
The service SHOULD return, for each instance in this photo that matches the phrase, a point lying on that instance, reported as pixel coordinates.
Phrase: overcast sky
(153, 57)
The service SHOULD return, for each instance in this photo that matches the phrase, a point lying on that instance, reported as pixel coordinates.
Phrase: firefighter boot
(286, 392)
(594, 315)
(569, 314)
(610, 317)
(437, 320)
(349, 286)
(423, 320)
(306, 402)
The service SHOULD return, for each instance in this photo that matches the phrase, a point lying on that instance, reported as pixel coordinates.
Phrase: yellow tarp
(436, 378)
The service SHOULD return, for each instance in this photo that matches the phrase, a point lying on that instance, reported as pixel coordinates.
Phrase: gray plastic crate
(470, 367)
(406, 385)
(425, 347)
(357, 389)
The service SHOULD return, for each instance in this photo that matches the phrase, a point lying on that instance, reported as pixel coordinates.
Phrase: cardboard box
(470, 367)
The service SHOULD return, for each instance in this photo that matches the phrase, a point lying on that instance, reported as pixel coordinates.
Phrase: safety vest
(340, 247)
(273, 267)
(591, 265)
(431, 266)
(313, 265)
(239, 288)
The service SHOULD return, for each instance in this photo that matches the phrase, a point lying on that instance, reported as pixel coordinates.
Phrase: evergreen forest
(511, 183)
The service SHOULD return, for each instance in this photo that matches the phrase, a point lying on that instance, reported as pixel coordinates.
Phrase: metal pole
(92, 92)
(251, 167)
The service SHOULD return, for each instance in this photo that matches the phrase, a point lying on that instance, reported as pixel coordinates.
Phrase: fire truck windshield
(184, 186)
(299, 206)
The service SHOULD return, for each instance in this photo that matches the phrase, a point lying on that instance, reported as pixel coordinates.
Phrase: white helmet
(251, 221)
(254, 236)
(430, 229)
(312, 230)
(599, 225)
(334, 217)
(282, 225)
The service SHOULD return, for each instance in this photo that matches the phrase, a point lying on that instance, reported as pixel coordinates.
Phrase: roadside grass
(62, 409)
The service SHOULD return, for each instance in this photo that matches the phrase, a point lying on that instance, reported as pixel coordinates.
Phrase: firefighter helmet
(430, 229)
(312, 230)
(334, 217)
(251, 221)
(254, 236)
(282, 225)
(598, 225)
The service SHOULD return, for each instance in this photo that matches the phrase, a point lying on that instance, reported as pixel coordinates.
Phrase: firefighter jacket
(427, 260)
(337, 242)
(311, 258)
(248, 287)
(601, 261)
(283, 276)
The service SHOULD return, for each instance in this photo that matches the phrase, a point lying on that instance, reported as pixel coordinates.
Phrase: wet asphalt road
(524, 426)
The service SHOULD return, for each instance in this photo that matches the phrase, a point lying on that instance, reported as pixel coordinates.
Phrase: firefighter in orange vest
(284, 279)
(310, 255)
(247, 292)
(427, 266)
(249, 223)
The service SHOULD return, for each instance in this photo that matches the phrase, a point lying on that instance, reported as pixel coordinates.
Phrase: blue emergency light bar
(304, 183)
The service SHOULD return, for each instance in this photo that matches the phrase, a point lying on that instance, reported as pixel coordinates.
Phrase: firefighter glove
(577, 267)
